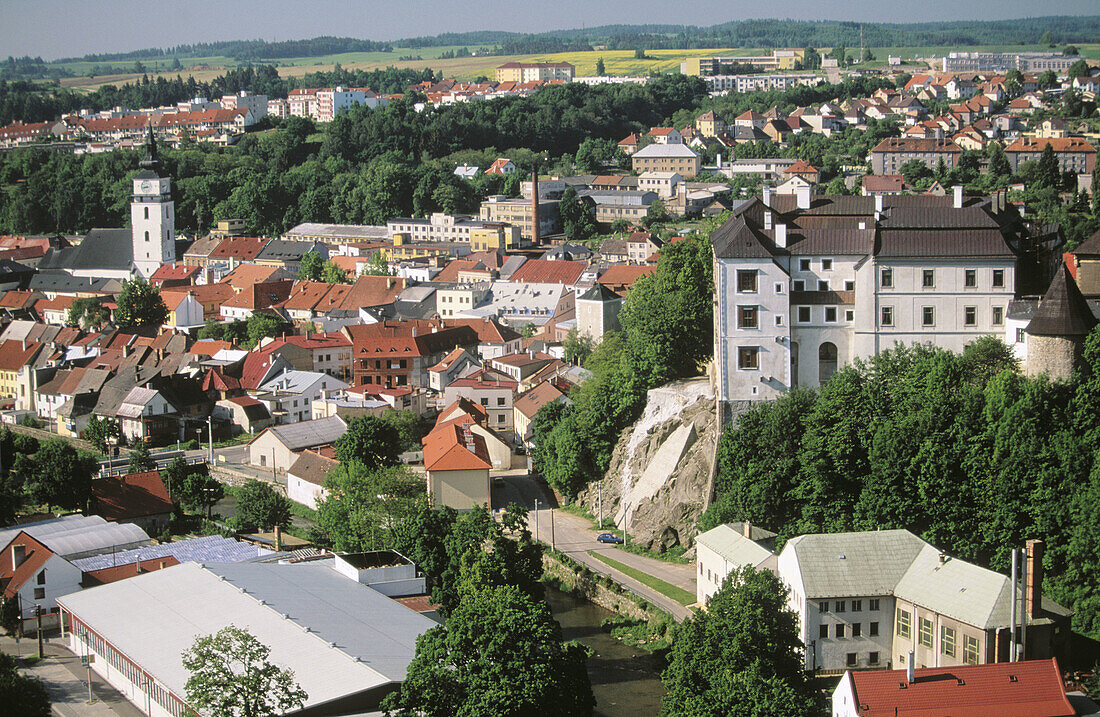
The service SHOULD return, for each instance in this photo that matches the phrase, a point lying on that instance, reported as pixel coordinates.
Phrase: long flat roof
(340, 637)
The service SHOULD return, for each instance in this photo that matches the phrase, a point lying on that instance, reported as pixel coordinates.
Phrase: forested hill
(743, 33)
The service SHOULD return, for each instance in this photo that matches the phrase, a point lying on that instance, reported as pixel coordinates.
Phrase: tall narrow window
(998, 315)
(928, 316)
(970, 278)
(886, 278)
(146, 212)
(928, 278)
(146, 236)
(887, 316)
(998, 278)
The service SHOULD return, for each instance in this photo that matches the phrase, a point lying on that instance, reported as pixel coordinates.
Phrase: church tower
(152, 215)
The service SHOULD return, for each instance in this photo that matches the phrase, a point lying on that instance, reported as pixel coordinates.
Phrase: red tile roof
(135, 495)
(620, 277)
(239, 248)
(173, 271)
(209, 347)
(453, 448)
(1032, 688)
(544, 271)
(1060, 144)
(12, 578)
(246, 275)
(14, 355)
(485, 378)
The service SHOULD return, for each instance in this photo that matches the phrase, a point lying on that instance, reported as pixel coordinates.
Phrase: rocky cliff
(659, 477)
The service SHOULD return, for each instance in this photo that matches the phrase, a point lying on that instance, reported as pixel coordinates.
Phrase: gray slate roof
(110, 249)
(1063, 310)
(307, 434)
(733, 546)
(837, 565)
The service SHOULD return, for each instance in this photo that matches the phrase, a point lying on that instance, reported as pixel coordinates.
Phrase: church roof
(1063, 310)
(109, 249)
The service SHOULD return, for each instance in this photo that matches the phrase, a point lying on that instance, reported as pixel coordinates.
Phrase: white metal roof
(854, 564)
(338, 636)
(79, 535)
(678, 151)
(733, 546)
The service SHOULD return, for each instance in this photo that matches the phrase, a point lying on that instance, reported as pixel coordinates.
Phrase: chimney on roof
(1033, 596)
(767, 220)
(958, 192)
(781, 236)
(803, 194)
(125, 350)
(910, 669)
(389, 282)
(18, 555)
(878, 206)
(746, 528)
(767, 195)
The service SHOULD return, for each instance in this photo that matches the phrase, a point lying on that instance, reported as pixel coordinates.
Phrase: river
(625, 680)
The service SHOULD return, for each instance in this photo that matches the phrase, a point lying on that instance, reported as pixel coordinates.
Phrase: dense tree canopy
(961, 449)
(372, 441)
(58, 474)
(259, 507)
(140, 306)
(742, 656)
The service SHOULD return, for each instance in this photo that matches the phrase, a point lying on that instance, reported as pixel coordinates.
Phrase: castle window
(146, 212)
(146, 236)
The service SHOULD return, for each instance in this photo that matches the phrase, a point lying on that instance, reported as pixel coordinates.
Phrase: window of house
(872, 604)
(849, 286)
(822, 286)
(830, 314)
(146, 238)
(928, 278)
(823, 632)
(485, 402)
(500, 401)
(840, 606)
(998, 315)
(857, 629)
(886, 278)
(748, 357)
(887, 316)
(924, 632)
(998, 278)
(40, 593)
(838, 630)
(947, 641)
(746, 280)
(857, 606)
(872, 629)
(849, 315)
(851, 659)
(146, 212)
(970, 315)
(500, 418)
(823, 606)
(872, 658)
(804, 264)
(803, 314)
(826, 264)
(779, 288)
(905, 624)
(778, 319)
(928, 316)
(799, 285)
(1020, 336)
(747, 317)
(42, 577)
(970, 650)
(970, 278)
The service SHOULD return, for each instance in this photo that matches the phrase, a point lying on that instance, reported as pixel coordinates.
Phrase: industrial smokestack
(1033, 597)
(535, 238)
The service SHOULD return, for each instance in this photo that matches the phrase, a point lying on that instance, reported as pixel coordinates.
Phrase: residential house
(502, 165)
(1074, 154)
(244, 414)
(394, 354)
(284, 254)
(665, 135)
(493, 391)
(457, 464)
(288, 395)
(17, 377)
(889, 155)
(328, 353)
(305, 480)
(519, 366)
(174, 276)
(277, 447)
(34, 576)
(474, 419)
(184, 309)
(454, 365)
(527, 406)
(146, 414)
(666, 158)
(259, 296)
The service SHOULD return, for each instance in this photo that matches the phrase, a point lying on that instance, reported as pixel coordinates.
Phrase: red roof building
(173, 275)
(620, 277)
(1032, 688)
(545, 271)
(138, 498)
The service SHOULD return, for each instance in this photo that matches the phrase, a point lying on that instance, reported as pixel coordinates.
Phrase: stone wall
(585, 583)
(1055, 356)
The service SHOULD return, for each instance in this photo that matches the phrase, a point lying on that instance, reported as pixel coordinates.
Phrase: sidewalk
(65, 681)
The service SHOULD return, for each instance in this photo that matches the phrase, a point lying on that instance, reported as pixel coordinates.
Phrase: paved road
(65, 681)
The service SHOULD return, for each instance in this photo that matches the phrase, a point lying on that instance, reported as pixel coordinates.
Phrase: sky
(68, 28)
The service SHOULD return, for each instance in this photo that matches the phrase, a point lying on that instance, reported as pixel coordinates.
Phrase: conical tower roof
(151, 161)
(1063, 310)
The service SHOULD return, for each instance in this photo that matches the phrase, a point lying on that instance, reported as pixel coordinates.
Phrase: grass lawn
(668, 590)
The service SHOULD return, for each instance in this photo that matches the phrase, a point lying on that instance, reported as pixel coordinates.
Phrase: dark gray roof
(1063, 310)
(1091, 246)
(283, 249)
(599, 292)
(64, 283)
(925, 217)
(110, 249)
(953, 243)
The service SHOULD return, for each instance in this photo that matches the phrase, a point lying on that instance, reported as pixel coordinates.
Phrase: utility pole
(536, 519)
(599, 501)
(88, 664)
(1012, 609)
(38, 622)
(553, 545)
(210, 429)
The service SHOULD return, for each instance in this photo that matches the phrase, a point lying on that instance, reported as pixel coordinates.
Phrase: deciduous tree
(140, 306)
(259, 507)
(370, 440)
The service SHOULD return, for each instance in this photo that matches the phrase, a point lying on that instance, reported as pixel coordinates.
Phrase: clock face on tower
(146, 186)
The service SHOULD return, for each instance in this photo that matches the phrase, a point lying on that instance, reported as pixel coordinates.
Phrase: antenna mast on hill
(861, 43)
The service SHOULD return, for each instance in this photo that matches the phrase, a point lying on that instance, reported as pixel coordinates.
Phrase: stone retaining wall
(588, 585)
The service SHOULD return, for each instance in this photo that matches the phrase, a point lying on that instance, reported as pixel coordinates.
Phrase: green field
(617, 62)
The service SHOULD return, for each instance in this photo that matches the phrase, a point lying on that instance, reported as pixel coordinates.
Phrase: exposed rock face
(659, 476)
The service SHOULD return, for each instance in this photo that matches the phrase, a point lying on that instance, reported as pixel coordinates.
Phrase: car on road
(608, 538)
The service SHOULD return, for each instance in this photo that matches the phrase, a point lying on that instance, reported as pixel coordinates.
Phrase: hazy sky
(68, 28)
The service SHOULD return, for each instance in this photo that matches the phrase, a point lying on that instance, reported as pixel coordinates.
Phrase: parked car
(609, 538)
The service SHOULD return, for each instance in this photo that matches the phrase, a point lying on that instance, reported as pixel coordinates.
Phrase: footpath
(65, 680)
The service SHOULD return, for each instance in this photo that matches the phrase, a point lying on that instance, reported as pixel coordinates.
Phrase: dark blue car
(609, 538)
